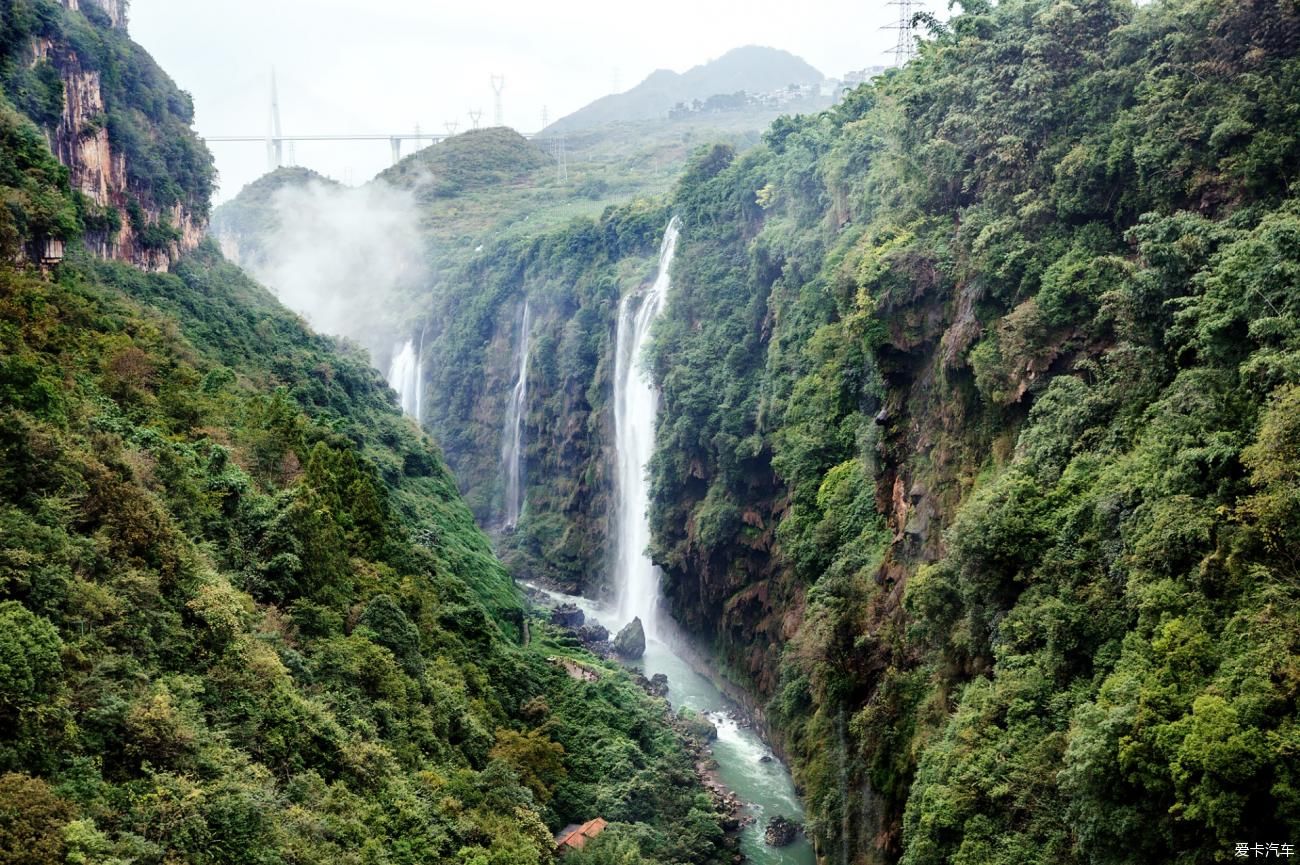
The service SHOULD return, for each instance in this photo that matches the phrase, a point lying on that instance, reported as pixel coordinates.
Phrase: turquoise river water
(764, 786)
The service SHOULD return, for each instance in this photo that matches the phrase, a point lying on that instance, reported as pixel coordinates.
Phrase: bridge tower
(275, 135)
(499, 115)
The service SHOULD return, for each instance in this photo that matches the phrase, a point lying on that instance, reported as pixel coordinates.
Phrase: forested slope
(979, 447)
(245, 616)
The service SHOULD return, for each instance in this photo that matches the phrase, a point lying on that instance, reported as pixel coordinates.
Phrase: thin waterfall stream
(404, 377)
(512, 439)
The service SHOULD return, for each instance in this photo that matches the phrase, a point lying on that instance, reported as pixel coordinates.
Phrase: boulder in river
(658, 685)
(630, 642)
(567, 616)
(697, 726)
(781, 831)
(593, 633)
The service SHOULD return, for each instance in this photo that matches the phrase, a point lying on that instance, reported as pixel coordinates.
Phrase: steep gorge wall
(952, 452)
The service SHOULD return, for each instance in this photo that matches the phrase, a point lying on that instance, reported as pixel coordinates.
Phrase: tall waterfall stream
(746, 765)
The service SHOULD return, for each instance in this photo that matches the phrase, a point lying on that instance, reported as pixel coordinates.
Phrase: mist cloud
(342, 257)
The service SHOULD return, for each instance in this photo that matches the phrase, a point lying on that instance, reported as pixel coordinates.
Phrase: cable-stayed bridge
(275, 139)
(275, 143)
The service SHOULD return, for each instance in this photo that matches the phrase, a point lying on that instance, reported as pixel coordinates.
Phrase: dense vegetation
(976, 457)
(980, 397)
(245, 616)
(38, 204)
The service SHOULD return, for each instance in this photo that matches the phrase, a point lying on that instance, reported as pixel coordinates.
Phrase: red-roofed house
(575, 837)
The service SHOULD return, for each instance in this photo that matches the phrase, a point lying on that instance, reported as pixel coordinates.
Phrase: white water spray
(512, 440)
(404, 377)
(636, 403)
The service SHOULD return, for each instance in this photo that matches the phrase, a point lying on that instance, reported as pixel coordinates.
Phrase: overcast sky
(384, 66)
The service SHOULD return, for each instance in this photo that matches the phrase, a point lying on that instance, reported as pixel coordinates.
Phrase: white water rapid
(512, 439)
(404, 377)
(636, 404)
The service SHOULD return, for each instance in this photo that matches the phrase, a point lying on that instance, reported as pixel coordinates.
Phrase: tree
(31, 822)
(537, 760)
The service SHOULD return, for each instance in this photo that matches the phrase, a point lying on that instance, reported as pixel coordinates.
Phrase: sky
(386, 66)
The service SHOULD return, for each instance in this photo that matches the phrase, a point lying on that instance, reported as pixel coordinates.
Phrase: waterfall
(404, 377)
(635, 405)
(512, 439)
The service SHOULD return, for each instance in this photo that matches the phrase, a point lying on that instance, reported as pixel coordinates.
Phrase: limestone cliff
(114, 9)
(123, 131)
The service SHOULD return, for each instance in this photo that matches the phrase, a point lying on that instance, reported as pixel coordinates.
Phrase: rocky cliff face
(114, 9)
(126, 219)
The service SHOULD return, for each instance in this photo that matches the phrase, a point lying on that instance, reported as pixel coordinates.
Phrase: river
(765, 787)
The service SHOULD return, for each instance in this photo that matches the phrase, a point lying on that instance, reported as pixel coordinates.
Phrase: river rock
(658, 685)
(698, 727)
(630, 642)
(593, 633)
(781, 831)
(567, 616)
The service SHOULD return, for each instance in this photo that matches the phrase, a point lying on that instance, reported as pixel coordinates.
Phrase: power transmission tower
(546, 117)
(475, 115)
(560, 150)
(905, 49)
(275, 135)
(498, 84)
(451, 126)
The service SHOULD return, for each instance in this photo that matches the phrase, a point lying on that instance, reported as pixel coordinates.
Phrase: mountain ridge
(751, 68)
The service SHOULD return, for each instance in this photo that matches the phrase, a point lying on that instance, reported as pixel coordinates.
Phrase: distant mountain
(753, 68)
